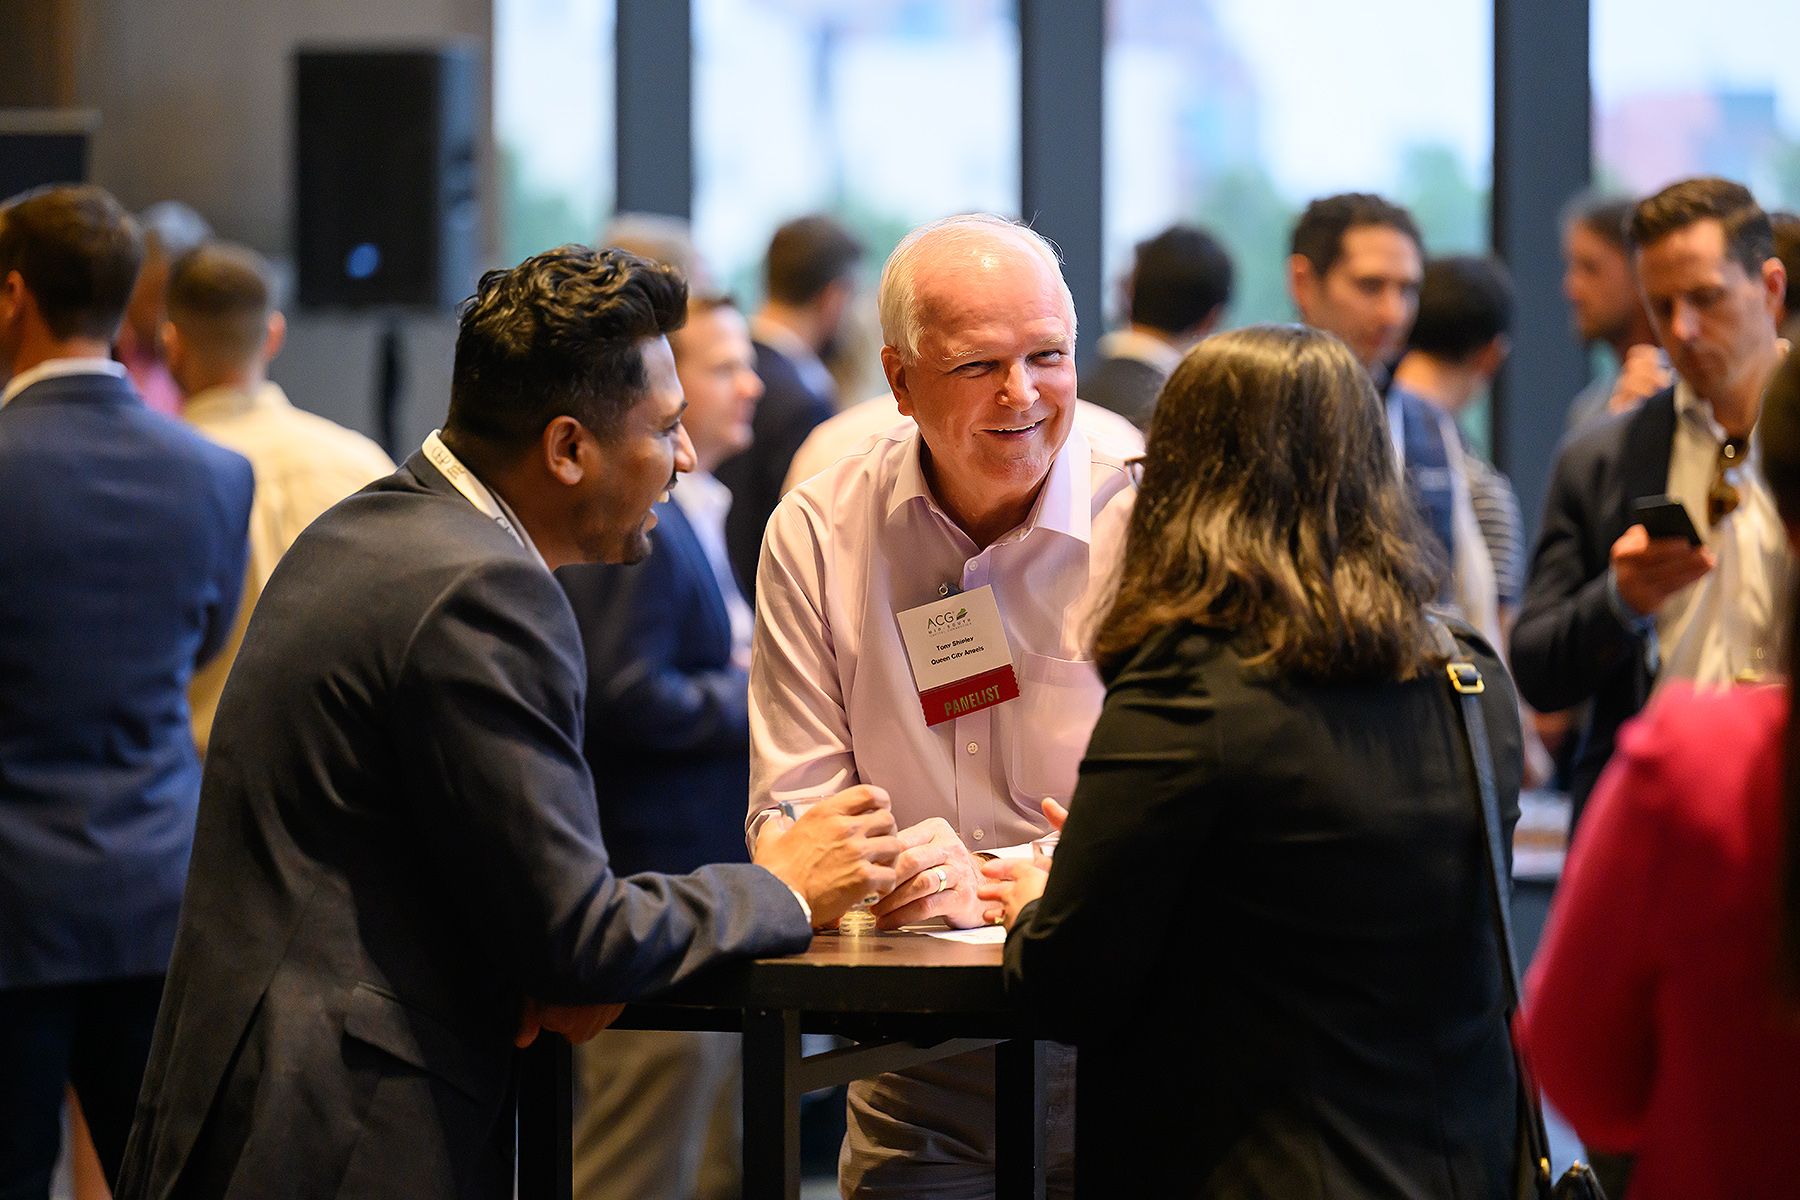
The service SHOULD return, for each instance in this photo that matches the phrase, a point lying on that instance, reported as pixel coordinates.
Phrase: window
(553, 120)
(1234, 113)
(1676, 96)
(886, 113)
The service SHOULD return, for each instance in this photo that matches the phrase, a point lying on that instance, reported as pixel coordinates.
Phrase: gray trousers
(928, 1133)
(659, 1116)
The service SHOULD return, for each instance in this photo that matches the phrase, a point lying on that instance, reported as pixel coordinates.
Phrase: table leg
(771, 1104)
(1019, 1158)
(546, 1120)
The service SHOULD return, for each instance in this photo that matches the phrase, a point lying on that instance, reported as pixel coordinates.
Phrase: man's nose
(684, 452)
(1684, 321)
(1017, 390)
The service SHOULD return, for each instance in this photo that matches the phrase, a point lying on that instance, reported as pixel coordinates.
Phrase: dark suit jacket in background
(1269, 933)
(1129, 386)
(122, 548)
(397, 840)
(787, 412)
(1568, 646)
(668, 715)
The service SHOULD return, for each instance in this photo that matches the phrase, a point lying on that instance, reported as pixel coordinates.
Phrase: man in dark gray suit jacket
(1610, 610)
(398, 862)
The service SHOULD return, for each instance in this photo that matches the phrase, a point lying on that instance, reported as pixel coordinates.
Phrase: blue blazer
(668, 715)
(788, 411)
(122, 548)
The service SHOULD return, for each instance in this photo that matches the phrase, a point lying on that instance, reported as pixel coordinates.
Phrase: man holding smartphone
(1612, 606)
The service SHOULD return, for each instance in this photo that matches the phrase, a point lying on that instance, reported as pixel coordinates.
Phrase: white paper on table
(981, 935)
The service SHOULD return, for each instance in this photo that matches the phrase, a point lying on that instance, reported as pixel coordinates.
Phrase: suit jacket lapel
(678, 537)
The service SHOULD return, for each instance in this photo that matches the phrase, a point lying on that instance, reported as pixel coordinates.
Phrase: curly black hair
(561, 334)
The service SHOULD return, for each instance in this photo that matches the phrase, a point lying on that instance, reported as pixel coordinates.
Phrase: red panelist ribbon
(969, 695)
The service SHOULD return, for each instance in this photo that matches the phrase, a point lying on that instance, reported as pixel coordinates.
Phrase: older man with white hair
(922, 621)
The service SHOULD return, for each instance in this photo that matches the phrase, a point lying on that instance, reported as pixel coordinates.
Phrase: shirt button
(973, 747)
(978, 835)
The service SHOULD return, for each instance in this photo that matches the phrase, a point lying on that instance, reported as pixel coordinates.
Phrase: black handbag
(1578, 1182)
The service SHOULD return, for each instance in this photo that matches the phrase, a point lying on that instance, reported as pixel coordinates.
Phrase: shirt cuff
(1639, 623)
(805, 908)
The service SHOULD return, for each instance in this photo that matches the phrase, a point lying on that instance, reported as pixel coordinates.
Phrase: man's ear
(13, 296)
(1303, 282)
(561, 445)
(276, 336)
(894, 367)
(1774, 279)
(174, 350)
(1491, 357)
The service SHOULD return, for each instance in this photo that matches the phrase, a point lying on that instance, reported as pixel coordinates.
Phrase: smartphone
(1665, 517)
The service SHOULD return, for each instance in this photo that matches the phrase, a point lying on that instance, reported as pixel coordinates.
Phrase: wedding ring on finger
(943, 878)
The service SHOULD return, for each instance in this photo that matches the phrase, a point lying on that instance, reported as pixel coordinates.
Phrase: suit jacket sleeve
(236, 485)
(640, 694)
(1589, 1025)
(489, 715)
(1568, 641)
(1148, 791)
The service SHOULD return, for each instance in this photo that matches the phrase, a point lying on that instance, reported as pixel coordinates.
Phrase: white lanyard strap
(473, 490)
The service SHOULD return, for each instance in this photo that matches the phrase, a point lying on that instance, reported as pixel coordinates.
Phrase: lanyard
(473, 490)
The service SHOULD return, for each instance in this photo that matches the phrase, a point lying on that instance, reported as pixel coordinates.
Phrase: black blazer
(668, 715)
(787, 412)
(1128, 386)
(1268, 931)
(1568, 646)
(397, 839)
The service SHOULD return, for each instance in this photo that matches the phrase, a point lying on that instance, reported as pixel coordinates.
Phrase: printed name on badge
(960, 660)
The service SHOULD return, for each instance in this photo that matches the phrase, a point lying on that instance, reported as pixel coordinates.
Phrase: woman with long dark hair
(1269, 928)
(1664, 1012)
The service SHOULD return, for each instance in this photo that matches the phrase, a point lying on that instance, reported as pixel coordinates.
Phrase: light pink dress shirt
(832, 697)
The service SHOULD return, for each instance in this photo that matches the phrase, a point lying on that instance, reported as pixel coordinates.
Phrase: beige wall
(195, 104)
(195, 95)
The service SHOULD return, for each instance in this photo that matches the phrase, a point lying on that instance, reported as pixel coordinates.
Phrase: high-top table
(902, 998)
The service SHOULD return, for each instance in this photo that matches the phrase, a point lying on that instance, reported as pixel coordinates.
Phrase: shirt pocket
(1059, 701)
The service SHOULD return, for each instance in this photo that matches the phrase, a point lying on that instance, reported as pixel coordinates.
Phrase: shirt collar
(1146, 348)
(216, 403)
(56, 368)
(702, 497)
(1061, 507)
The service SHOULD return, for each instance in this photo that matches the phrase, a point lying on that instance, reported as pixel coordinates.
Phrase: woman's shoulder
(1707, 747)
(1179, 652)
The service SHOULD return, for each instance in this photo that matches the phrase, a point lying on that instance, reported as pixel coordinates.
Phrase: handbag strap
(1467, 685)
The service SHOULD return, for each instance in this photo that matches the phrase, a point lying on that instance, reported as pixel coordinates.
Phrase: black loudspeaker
(40, 146)
(387, 208)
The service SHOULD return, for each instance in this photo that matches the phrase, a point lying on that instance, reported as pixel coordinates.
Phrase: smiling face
(717, 366)
(1370, 294)
(1716, 320)
(622, 477)
(992, 386)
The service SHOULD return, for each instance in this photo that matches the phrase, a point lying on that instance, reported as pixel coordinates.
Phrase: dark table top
(872, 973)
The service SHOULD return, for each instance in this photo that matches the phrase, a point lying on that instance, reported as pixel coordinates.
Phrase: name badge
(959, 657)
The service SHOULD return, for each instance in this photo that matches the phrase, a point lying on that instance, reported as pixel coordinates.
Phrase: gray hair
(659, 238)
(901, 324)
(171, 229)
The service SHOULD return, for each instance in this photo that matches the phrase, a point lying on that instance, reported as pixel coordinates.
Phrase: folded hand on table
(577, 1022)
(937, 878)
